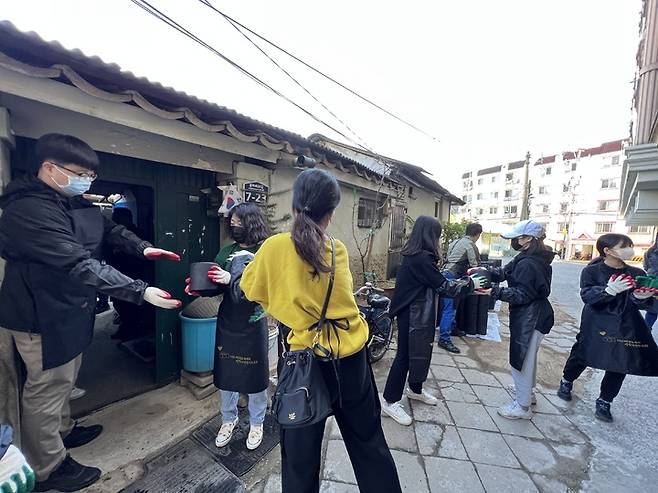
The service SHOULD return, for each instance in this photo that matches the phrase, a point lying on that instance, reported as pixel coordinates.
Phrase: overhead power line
(319, 72)
(299, 84)
(147, 7)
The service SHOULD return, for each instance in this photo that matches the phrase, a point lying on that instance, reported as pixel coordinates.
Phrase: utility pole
(525, 205)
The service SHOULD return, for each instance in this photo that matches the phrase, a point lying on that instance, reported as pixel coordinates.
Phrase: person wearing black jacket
(415, 306)
(613, 336)
(531, 317)
(51, 239)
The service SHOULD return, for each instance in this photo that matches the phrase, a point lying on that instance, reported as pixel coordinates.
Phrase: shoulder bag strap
(332, 273)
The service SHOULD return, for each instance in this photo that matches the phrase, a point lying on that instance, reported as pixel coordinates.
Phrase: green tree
(452, 232)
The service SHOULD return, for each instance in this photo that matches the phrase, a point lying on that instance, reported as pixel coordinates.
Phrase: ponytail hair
(316, 194)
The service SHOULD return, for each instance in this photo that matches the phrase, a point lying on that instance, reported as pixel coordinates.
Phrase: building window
(479, 211)
(436, 209)
(609, 183)
(367, 213)
(493, 210)
(464, 197)
(480, 181)
(469, 198)
(494, 195)
(639, 229)
(607, 205)
(562, 227)
(509, 177)
(574, 166)
(600, 228)
(563, 207)
(543, 190)
(547, 171)
(565, 188)
(508, 194)
(479, 196)
(411, 192)
(493, 179)
(510, 210)
(614, 161)
(544, 209)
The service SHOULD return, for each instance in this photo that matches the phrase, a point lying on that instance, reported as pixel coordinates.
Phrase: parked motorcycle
(380, 327)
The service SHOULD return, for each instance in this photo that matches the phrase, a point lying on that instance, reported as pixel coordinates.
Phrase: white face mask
(625, 253)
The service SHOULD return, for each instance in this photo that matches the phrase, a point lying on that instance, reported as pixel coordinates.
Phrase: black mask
(238, 234)
(515, 244)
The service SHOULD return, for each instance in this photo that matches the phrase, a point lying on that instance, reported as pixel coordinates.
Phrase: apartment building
(575, 194)
(493, 195)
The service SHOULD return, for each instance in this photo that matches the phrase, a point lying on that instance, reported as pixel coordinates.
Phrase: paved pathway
(462, 444)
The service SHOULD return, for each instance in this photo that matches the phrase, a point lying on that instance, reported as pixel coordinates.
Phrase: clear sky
(491, 79)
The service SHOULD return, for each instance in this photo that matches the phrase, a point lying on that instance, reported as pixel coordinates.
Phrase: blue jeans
(448, 313)
(257, 406)
(650, 319)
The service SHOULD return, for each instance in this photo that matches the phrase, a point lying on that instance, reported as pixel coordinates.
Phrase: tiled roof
(27, 53)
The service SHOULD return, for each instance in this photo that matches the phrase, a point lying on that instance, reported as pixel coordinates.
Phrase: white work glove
(218, 275)
(619, 284)
(643, 293)
(16, 475)
(161, 299)
(479, 281)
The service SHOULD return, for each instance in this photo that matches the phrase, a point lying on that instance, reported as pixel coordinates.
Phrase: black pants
(397, 375)
(359, 420)
(610, 385)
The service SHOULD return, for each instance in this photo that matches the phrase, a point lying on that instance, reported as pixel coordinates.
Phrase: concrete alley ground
(461, 445)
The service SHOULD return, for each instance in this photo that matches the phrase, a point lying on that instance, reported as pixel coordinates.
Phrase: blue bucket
(198, 337)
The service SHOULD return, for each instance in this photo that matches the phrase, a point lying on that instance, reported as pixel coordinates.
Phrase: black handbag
(302, 398)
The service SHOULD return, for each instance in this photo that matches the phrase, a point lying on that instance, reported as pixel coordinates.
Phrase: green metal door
(182, 225)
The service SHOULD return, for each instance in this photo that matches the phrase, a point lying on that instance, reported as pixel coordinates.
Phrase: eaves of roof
(29, 54)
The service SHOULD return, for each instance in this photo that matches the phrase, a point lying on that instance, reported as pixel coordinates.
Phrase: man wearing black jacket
(51, 239)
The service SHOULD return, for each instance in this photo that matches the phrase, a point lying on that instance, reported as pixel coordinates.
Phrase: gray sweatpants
(525, 380)
(46, 414)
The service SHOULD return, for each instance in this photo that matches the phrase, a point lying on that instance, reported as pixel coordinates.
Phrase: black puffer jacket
(52, 246)
(528, 287)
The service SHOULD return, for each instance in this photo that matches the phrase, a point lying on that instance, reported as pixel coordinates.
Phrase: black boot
(603, 411)
(69, 476)
(449, 346)
(564, 392)
(82, 435)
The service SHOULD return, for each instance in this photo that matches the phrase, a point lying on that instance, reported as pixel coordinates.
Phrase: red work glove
(188, 291)
(160, 254)
(644, 293)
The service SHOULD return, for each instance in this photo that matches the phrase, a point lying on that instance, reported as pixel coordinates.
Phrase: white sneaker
(422, 397)
(255, 437)
(513, 410)
(77, 393)
(397, 412)
(512, 390)
(225, 433)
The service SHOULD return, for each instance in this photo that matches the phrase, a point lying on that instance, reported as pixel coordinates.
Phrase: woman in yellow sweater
(289, 278)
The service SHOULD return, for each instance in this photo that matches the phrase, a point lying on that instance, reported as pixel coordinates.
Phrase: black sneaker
(69, 476)
(82, 435)
(603, 411)
(449, 346)
(564, 392)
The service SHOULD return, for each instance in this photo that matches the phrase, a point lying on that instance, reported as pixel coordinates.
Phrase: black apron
(617, 341)
(68, 331)
(241, 347)
(422, 327)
